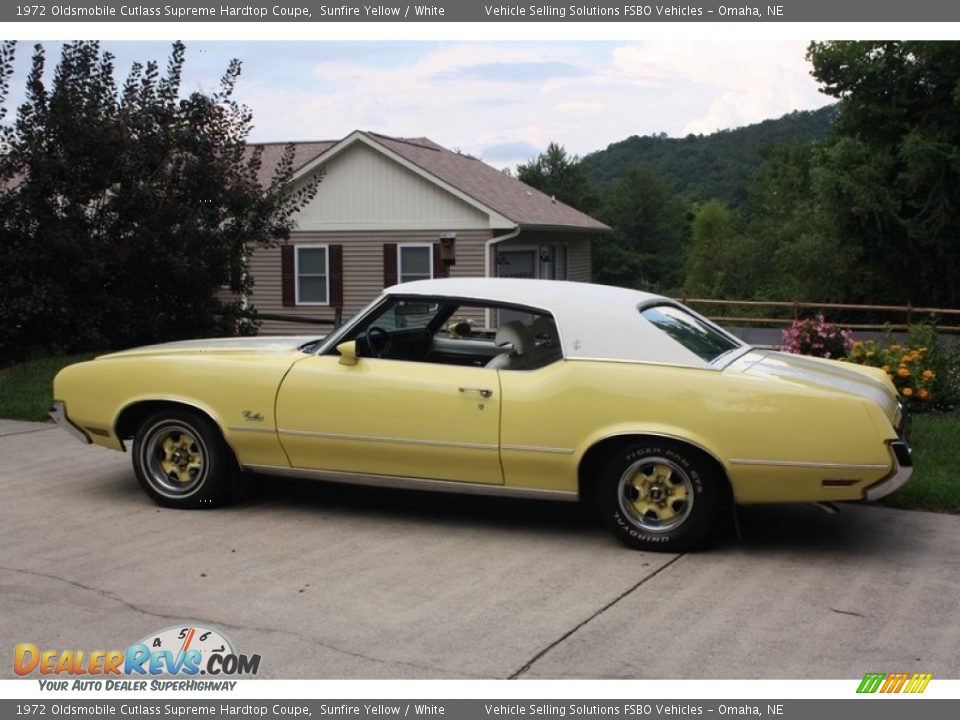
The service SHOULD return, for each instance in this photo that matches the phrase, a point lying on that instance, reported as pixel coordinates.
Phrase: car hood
(816, 373)
(221, 346)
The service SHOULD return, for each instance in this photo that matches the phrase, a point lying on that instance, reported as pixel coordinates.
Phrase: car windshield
(699, 337)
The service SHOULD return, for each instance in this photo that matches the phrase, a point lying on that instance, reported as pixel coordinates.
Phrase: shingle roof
(510, 197)
(303, 152)
(498, 191)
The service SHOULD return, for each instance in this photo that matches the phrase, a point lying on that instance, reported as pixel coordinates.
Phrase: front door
(392, 417)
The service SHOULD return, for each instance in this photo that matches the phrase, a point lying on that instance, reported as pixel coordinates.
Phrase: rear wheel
(659, 495)
(182, 461)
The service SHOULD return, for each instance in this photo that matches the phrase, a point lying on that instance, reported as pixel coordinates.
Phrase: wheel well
(593, 461)
(132, 416)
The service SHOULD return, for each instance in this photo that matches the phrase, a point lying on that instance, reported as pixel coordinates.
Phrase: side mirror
(348, 353)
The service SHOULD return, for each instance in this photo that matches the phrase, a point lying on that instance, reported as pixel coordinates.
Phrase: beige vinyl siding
(579, 266)
(364, 190)
(362, 273)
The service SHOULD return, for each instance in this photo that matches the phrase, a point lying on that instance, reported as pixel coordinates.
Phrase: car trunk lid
(858, 380)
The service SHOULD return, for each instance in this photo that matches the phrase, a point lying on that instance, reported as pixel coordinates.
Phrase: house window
(414, 262)
(313, 280)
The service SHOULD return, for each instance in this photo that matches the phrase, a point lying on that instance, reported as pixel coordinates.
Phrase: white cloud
(464, 94)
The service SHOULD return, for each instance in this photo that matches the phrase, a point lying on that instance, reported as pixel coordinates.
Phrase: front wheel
(659, 495)
(182, 461)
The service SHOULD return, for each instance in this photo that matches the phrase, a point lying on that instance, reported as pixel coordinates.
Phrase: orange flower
(907, 392)
(903, 372)
(924, 394)
(928, 374)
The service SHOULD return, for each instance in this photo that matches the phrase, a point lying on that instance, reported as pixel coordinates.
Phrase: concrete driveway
(335, 582)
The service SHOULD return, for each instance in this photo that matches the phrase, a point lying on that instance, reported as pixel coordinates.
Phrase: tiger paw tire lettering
(659, 495)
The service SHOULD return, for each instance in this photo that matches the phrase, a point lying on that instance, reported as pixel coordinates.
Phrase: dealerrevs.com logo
(179, 651)
(894, 682)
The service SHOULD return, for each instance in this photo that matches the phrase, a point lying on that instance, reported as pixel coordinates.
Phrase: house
(391, 210)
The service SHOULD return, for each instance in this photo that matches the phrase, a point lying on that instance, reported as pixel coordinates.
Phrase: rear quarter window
(703, 339)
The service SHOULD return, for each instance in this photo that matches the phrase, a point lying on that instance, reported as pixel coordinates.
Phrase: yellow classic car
(519, 388)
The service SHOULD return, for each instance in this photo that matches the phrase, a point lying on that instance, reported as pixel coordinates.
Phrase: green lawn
(25, 394)
(26, 390)
(935, 484)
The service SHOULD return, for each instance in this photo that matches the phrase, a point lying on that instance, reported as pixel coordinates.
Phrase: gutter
(488, 247)
(487, 253)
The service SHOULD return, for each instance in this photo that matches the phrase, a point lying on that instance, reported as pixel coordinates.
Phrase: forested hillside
(707, 167)
(858, 202)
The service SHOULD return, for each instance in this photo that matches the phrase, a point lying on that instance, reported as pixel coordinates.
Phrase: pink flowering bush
(817, 337)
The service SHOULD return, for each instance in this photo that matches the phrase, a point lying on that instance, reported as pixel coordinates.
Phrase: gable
(366, 190)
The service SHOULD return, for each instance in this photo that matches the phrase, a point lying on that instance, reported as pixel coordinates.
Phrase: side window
(414, 262)
(445, 332)
(312, 276)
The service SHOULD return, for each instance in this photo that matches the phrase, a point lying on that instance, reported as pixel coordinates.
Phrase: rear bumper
(902, 470)
(59, 414)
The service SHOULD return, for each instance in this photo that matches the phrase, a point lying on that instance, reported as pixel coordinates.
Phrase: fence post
(337, 316)
(909, 314)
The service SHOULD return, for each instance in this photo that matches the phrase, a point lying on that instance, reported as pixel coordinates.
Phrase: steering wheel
(379, 341)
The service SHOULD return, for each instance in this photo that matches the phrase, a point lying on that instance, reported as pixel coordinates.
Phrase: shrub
(907, 365)
(815, 336)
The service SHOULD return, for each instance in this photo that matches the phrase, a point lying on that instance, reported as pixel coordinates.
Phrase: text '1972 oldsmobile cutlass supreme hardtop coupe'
(520, 388)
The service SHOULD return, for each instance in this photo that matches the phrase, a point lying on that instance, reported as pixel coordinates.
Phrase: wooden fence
(946, 319)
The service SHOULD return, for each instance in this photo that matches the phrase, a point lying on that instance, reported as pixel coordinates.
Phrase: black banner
(480, 11)
(634, 709)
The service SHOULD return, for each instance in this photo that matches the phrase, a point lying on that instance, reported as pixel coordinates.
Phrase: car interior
(452, 333)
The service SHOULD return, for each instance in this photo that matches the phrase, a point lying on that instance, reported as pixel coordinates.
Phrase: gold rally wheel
(181, 460)
(659, 495)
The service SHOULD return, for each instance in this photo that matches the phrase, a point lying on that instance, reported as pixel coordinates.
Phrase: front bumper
(59, 414)
(902, 470)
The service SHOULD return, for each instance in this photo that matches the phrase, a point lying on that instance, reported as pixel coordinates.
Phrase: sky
(500, 101)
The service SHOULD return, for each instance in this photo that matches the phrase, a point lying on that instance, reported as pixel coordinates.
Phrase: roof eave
(566, 228)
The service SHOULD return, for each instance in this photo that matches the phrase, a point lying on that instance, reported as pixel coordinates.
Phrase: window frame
(430, 263)
(296, 273)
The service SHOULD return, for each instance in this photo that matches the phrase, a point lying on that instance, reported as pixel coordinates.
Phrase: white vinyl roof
(595, 322)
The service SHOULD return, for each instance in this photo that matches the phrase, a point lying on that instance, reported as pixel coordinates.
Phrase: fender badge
(252, 416)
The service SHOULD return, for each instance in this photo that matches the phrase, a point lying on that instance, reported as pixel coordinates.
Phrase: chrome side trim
(805, 464)
(238, 428)
(634, 361)
(59, 414)
(898, 476)
(538, 449)
(411, 483)
(378, 439)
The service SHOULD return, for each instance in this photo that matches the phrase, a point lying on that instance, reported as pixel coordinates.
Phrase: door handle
(484, 392)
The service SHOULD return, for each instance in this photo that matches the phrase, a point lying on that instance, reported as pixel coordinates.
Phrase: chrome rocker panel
(411, 483)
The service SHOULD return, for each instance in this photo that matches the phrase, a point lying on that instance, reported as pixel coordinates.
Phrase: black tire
(660, 495)
(182, 461)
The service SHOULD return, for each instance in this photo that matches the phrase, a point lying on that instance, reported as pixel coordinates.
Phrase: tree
(647, 247)
(126, 209)
(562, 176)
(890, 183)
(722, 262)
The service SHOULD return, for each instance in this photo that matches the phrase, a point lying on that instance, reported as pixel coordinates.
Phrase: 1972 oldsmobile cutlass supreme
(624, 399)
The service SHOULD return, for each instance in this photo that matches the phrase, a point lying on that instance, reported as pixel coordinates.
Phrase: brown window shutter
(440, 269)
(336, 275)
(389, 264)
(287, 279)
